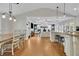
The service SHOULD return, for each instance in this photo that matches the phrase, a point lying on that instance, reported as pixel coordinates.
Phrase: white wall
(77, 21)
(0, 25)
(20, 23)
(6, 26)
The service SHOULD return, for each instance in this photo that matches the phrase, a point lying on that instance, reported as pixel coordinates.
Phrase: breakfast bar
(71, 41)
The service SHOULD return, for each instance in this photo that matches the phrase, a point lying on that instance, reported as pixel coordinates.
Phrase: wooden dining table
(4, 38)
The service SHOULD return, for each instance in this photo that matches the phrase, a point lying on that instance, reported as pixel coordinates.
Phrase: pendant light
(10, 11)
(3, 15)
(57, 11)
(64, 10)
(10, 18)
(14, 19)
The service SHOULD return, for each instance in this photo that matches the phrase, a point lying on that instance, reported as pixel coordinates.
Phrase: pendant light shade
(3, 16)
(14, 20)
(10, 18)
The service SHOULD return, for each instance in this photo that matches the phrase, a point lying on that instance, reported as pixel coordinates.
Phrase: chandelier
(11, 17)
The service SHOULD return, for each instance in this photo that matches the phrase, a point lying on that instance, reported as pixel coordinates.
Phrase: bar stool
(57, 37)
(10, 45)
(61, 39)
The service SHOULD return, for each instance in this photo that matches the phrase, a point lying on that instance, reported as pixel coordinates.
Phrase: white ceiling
(42, 9)
(26, 7)
(47, 20)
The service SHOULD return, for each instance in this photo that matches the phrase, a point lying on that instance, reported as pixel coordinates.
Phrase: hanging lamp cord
(57, 10)
(64, 8)
(10, 9)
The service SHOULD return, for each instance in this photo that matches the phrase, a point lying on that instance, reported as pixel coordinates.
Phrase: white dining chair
(10, 45)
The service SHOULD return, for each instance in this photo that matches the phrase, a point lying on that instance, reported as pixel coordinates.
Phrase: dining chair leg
(18, 45)
(12, 50)
(23, 43)
(2, 51)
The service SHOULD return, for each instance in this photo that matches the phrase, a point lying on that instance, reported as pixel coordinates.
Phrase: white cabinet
(68, 45)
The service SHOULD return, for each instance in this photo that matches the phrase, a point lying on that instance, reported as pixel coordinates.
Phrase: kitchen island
(71, 42)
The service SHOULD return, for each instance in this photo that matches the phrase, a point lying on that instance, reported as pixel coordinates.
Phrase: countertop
(75, 33)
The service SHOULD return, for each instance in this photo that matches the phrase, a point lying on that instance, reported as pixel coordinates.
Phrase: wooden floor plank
(40, 47)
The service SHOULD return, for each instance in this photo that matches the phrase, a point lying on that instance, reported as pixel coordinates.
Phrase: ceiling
(47, 20)
(27, 7)
(42, 11)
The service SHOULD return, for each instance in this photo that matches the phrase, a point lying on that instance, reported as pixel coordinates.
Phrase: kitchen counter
(45, 34)
(75, 33)
(71, 42)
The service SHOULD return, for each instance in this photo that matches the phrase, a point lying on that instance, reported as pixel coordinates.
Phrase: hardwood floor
(40, 47)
